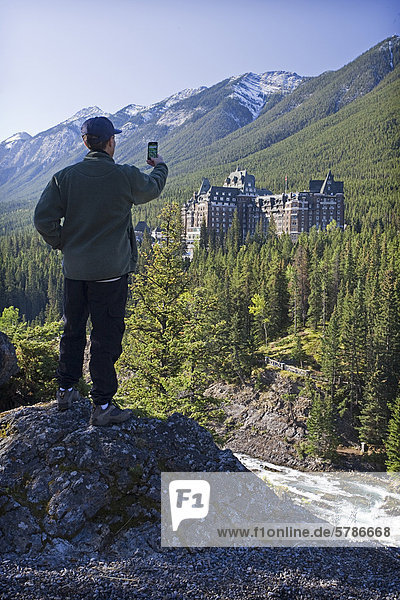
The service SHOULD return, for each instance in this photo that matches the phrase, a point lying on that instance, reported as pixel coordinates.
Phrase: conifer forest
(329, 303)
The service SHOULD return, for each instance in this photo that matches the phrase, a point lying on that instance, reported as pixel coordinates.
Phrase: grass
(283, 349)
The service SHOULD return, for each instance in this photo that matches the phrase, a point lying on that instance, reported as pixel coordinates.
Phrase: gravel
(212, 573)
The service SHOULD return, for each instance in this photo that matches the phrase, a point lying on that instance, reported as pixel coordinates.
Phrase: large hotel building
(293, 213)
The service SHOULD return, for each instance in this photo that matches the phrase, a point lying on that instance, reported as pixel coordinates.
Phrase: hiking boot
(65, 398)
(112, 415)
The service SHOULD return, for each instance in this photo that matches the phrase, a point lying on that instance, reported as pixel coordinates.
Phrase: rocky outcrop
(8, 359)
(66, 486)
(267, 420)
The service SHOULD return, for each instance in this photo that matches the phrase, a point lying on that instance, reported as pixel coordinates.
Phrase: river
(343, 499)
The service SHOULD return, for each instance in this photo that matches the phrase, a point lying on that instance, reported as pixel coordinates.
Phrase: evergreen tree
(374, 416)
(153, 339)
(330, 354)
(146, 248)
(234, 237)
(295, 300)
(393, 439)
(277, 298)
(272, 234)
(298, 353)
(354, 348)
(258, 308)
(315, 299)
(203, 242)
(172, 334)
(387, 331)
(322, 437)
(302, 287)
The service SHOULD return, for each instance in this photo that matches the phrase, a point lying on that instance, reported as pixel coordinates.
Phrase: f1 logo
(189, 499)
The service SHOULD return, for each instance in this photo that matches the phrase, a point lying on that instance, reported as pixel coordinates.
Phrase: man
(95, 197)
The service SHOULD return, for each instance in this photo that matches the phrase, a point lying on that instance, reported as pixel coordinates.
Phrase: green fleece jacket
(95, 197)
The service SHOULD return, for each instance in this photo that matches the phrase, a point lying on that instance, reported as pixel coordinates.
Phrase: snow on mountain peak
(132, 109)
(21, 136)
(182, 95)
(252, 89)
(85, 113)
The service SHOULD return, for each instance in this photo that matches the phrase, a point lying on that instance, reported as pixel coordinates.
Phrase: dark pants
(105, 303)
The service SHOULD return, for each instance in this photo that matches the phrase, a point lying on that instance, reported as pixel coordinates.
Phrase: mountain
(346, 120)
(26, 163)
(274, 124)
(314, 99)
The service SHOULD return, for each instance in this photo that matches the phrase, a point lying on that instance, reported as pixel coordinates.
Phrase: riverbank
(267, 420)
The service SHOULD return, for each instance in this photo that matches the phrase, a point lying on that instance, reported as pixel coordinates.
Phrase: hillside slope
(313, 100)
(360, 143)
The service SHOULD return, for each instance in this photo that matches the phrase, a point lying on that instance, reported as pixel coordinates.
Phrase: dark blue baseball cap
(101, 127)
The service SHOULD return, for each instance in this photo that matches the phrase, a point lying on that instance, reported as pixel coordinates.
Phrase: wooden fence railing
(286, 367)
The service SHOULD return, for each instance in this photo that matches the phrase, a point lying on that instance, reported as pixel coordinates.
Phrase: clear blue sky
(60, 56)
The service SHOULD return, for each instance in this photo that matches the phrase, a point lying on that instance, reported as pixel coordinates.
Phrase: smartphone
(152, 150)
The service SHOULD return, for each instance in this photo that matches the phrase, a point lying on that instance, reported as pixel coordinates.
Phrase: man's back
(95, 197)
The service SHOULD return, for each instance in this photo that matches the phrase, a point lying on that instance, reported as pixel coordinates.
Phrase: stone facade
(216, 206)
(298, 212)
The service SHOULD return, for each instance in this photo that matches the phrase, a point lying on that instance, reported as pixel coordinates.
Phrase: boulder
(66, 486)
(8, 359)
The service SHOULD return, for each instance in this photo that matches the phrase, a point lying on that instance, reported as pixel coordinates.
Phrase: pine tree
(203, 242)
(277, 299)
(387, 331)
(153, 340)
(315, 299)
(272, 234)
(298, 353)
(202, 358)
(393, 439)
(302, 285)
(174, 341)
(374, 416)
(322, 437)
(237, 297)
(354, 348)
(145, 250)
(331, 353)
(258, 308)
(234, 235)
(295, 302)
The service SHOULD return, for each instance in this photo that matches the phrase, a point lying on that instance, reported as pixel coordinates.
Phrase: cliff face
(269, 421)
(266, 421)
(66, 486)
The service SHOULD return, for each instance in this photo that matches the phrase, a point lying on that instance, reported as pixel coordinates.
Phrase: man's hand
(153, 162)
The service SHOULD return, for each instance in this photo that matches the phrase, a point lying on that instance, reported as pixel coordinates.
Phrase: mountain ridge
(29, 163)
(199, 129)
